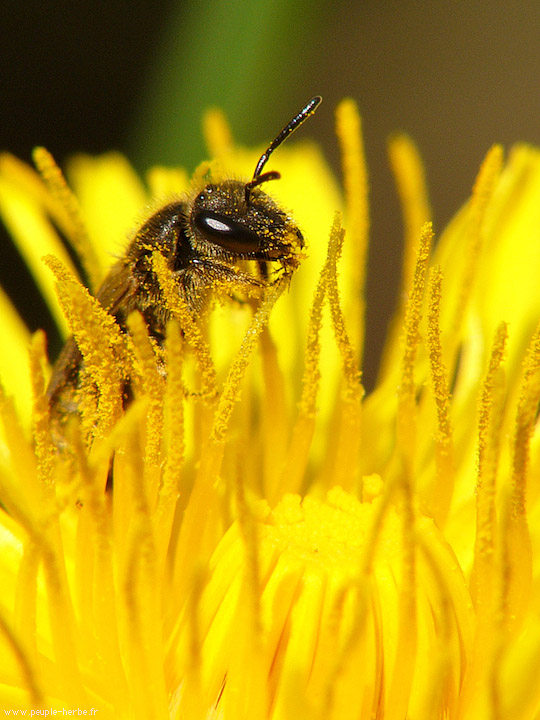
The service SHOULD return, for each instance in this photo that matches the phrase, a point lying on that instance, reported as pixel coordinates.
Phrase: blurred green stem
(250, 58)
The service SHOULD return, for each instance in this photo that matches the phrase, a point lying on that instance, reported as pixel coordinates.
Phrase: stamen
(356, 186)
(72, 225)
(138, 575)
(489, 440)
(202, 515)
(275, 418)
(231, 388)
(174, 440)
(192, 332)
(348, 354)
(408, 170)
(409, 175)
(516, 551)
(102, 345)
(22, 456)
(146, 356)
(302, 434)
(482, 193)
(490, 419)
(443, 486)
(525, 421)
(407, 402)
(346, 466)
(40, 416)
(445, 656)
(401, 680)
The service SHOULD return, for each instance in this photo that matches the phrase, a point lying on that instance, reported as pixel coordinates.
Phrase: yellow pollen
(411, 340)
(484, 186)
(231, 389)
(346, 471)
(491, 414)
(408, 170)
(148, 374)
(348, 354)
(192, 332)
(102, 345)
(406, 441)
(525, 421)
(302, 435)
(443, 486)
(70, 220)
(174, 441)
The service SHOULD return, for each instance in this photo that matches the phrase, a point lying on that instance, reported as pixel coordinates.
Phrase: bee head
(241, 221)
(223, 224)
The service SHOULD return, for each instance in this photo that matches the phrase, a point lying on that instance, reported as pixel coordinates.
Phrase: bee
(210, 238)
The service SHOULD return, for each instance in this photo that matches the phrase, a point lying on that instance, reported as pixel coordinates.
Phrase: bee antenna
(289, 128)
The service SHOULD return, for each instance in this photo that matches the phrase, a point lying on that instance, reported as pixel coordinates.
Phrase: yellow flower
(275, 544)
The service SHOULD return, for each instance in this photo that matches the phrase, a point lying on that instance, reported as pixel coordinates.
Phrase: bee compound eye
(226, 232)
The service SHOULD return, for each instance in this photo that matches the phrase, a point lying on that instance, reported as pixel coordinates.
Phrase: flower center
(328, 536)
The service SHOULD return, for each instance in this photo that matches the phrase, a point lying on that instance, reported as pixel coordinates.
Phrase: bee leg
(263, 268)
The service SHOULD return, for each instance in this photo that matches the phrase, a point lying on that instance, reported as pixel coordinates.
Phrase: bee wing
(118, 290)
(65, 370)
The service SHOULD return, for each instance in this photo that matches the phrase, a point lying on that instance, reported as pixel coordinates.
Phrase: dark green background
(136, 76)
